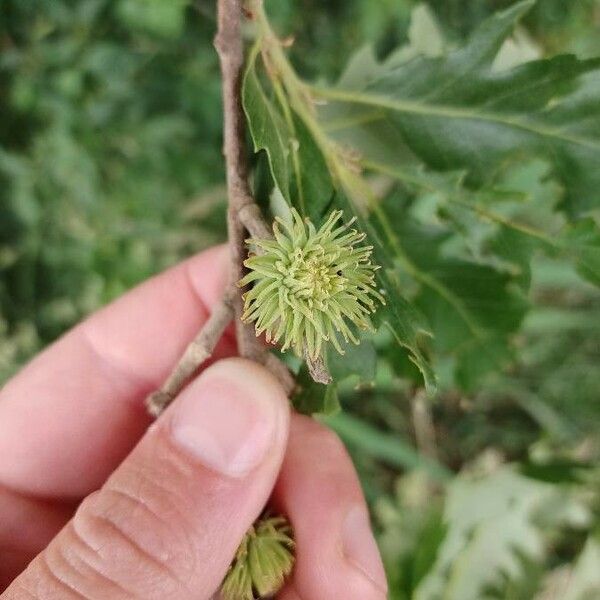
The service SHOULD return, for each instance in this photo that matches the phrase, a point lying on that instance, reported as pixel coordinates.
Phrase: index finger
(72, 415)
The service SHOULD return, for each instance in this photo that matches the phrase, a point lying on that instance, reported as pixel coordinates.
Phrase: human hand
(165, 507)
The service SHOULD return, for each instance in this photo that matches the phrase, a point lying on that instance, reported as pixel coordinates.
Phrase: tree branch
(424, 425)
(251, 217)
(195, 354)
(243, 215)
(229, 46)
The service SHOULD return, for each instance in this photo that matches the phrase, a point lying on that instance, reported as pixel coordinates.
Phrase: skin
(95, 502)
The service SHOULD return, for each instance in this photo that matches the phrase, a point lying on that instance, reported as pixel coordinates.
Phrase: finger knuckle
(124, 541)
(25, 589)
(55, 577)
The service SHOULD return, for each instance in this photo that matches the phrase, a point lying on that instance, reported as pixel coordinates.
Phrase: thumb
(168, 521)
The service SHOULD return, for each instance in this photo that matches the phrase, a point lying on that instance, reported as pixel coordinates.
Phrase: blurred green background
(111, 170)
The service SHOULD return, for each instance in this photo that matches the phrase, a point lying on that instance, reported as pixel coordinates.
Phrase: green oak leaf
(297, 164)
(267, 125)
(493, 519)
(456, 112)
(584, 583)
(474, 308)
(313, 398)
(359, 361)
(446, 131)
(582, 239)
(307, 171)
(311, 187)
(400, 316)
(164, 19)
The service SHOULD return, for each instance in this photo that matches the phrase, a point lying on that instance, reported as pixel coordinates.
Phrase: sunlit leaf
(455, 112)
(490, 520)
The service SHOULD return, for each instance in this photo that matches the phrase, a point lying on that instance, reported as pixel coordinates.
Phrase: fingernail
(360, 548)
(226, 419)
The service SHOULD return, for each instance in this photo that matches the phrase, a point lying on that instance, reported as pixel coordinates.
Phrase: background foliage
(110, 170)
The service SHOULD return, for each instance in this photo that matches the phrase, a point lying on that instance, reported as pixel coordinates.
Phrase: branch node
(251, 217)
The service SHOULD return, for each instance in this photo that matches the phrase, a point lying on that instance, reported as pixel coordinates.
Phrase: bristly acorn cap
(262, 563)
(310, 287)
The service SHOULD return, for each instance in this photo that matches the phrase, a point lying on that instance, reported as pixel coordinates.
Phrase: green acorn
(310, 286)
(262, 562)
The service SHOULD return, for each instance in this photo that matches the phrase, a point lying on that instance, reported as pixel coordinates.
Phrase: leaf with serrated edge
(297, 164)
(267, 126)
(456, 112)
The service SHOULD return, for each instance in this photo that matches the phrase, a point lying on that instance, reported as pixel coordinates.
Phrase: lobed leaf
(297, 164)
(457, 112)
